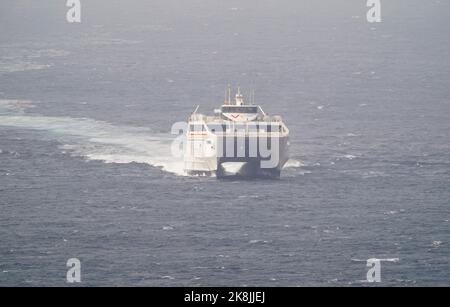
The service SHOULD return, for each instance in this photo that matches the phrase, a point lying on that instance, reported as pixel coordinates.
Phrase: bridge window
(234, 109)
(197, 127)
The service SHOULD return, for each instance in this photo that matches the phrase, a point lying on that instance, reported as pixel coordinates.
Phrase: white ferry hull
(243, 166)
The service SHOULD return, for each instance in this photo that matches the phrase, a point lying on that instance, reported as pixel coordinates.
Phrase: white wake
(97, 140)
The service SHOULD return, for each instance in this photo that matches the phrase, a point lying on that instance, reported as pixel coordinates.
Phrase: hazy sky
(35, 19)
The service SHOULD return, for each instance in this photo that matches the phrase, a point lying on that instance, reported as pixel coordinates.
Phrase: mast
(225, 100)
(239, 97)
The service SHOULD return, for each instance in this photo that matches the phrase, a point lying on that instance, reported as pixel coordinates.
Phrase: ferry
(239, 140)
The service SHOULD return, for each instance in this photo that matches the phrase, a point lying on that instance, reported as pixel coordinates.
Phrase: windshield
(233, 109)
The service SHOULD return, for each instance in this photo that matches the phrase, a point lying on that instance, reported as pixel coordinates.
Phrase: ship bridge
(239, 111)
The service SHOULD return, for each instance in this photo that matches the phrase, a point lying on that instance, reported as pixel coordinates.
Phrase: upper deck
(237, 118)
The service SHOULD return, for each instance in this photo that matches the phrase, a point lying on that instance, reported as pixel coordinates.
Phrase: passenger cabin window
(239, 128)
(217, 128)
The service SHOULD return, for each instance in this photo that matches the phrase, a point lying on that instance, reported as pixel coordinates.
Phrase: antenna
(225, 98)
(229, 94)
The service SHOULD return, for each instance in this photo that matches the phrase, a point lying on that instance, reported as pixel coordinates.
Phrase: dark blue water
(85, 115)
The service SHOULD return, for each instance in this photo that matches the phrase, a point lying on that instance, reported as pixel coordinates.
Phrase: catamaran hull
(247, 165)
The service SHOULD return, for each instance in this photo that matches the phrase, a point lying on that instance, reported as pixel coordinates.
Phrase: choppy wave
(23, 59)
(376, 259)
(293, 163)
(17, 66)
(13, 105)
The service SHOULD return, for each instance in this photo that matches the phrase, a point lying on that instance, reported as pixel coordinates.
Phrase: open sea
(85, 166)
